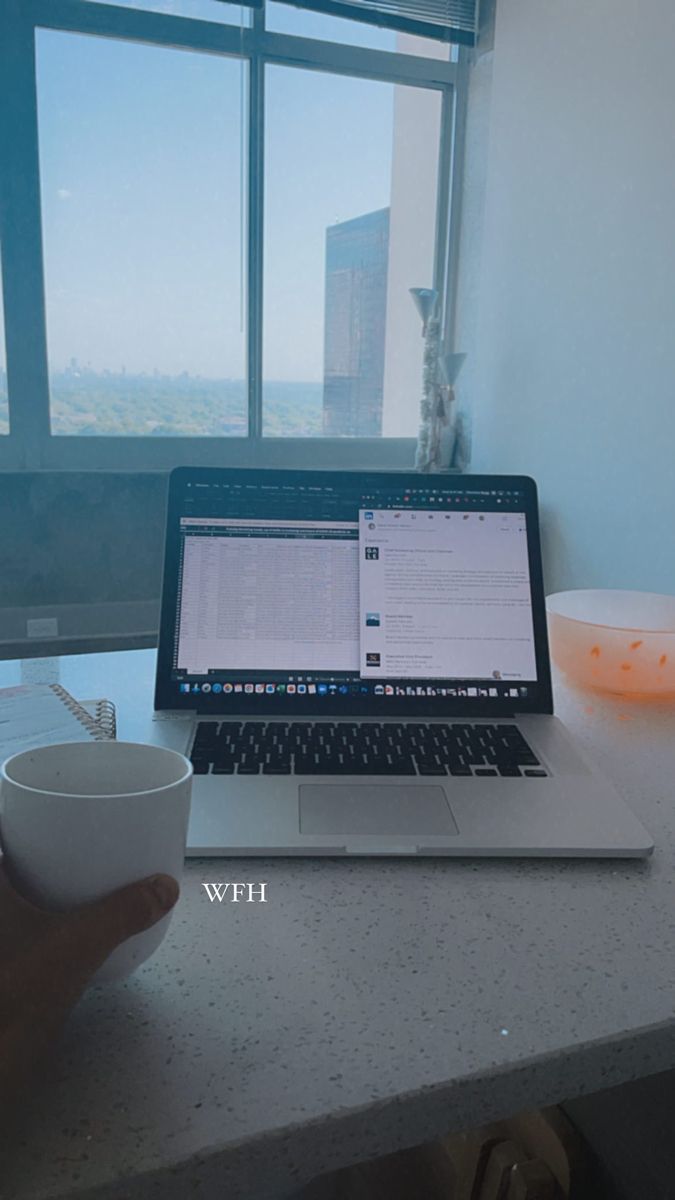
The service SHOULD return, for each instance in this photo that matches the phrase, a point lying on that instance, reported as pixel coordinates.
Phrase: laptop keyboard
(366, 748)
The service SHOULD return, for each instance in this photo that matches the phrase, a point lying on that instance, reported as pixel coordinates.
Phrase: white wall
(412, 227)
(572, 375)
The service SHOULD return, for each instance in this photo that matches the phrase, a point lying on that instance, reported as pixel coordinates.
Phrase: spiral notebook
(42, 714)
(104, 714)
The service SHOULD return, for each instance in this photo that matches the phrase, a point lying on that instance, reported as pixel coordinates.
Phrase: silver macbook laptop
(357, 663)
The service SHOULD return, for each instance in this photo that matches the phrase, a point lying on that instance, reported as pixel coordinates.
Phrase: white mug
(81, 819)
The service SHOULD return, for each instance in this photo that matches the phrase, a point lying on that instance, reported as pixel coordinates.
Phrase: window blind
(444, 20)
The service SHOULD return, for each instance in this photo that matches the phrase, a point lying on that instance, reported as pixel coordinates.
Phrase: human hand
(47, 959)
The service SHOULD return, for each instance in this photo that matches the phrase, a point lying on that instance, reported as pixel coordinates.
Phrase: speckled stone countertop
(368, 1005)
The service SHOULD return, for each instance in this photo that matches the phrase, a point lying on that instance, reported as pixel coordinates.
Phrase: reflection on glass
(350, 187)
(140, 175)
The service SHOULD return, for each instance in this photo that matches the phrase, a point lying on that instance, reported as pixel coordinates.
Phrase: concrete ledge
(78, 628)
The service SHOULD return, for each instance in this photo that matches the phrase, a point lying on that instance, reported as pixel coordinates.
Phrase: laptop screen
(296, 591)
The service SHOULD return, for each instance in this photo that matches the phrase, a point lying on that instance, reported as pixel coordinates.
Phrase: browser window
(444, 594)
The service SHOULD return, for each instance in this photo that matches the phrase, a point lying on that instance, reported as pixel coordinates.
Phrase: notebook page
(32, 714)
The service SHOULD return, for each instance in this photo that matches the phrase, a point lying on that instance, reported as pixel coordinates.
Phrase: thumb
(90, 933)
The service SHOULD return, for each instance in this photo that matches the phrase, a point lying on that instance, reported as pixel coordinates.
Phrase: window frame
(30, 443)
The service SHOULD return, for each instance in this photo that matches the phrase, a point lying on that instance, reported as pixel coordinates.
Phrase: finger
(89, 934)
(21, 922)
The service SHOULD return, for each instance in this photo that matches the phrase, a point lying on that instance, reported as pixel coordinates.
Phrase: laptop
(357, 664)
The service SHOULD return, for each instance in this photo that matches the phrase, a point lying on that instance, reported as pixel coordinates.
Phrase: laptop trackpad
(375, 808)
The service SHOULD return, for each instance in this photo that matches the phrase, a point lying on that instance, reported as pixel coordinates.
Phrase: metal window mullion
(455, 191)
(384, 66)
(190, 33)
(137, 25)
(21, 236)
(442, 196)
(255, 236)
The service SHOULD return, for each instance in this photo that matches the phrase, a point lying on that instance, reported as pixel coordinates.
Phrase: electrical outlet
(42, 627)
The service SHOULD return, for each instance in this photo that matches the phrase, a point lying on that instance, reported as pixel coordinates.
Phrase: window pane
(140, 160)
(350, 188)
(284, 18)
(206, 10)
(4, 410)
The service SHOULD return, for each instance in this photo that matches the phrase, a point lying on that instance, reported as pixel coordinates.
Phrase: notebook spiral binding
(106, 717)
(102, 723)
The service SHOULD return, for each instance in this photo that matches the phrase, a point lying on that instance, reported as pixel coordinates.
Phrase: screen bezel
(282, 706)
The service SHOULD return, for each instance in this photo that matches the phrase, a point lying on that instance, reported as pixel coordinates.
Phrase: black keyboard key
(535, 774)
(513, 743)
(430, 769)
(456, 770)
(454, 746)
(276, 769)
(223, 769)
(509, 771)
(403, 766)
(200, 768)
(454, 760)
(248, 768)
(485, 771)
(207, 731)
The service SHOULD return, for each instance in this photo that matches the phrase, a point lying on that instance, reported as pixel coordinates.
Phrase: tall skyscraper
(357, 254)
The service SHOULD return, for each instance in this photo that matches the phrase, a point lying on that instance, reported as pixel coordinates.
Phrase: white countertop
(368, 1005)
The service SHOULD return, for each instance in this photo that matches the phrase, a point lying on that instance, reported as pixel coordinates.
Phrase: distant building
(357, 254)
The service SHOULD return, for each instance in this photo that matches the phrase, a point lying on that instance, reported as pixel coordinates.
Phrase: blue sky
(140, 170)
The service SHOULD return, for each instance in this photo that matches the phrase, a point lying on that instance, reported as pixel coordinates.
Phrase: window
(215, 225)
(142, 266)
(350, 214)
